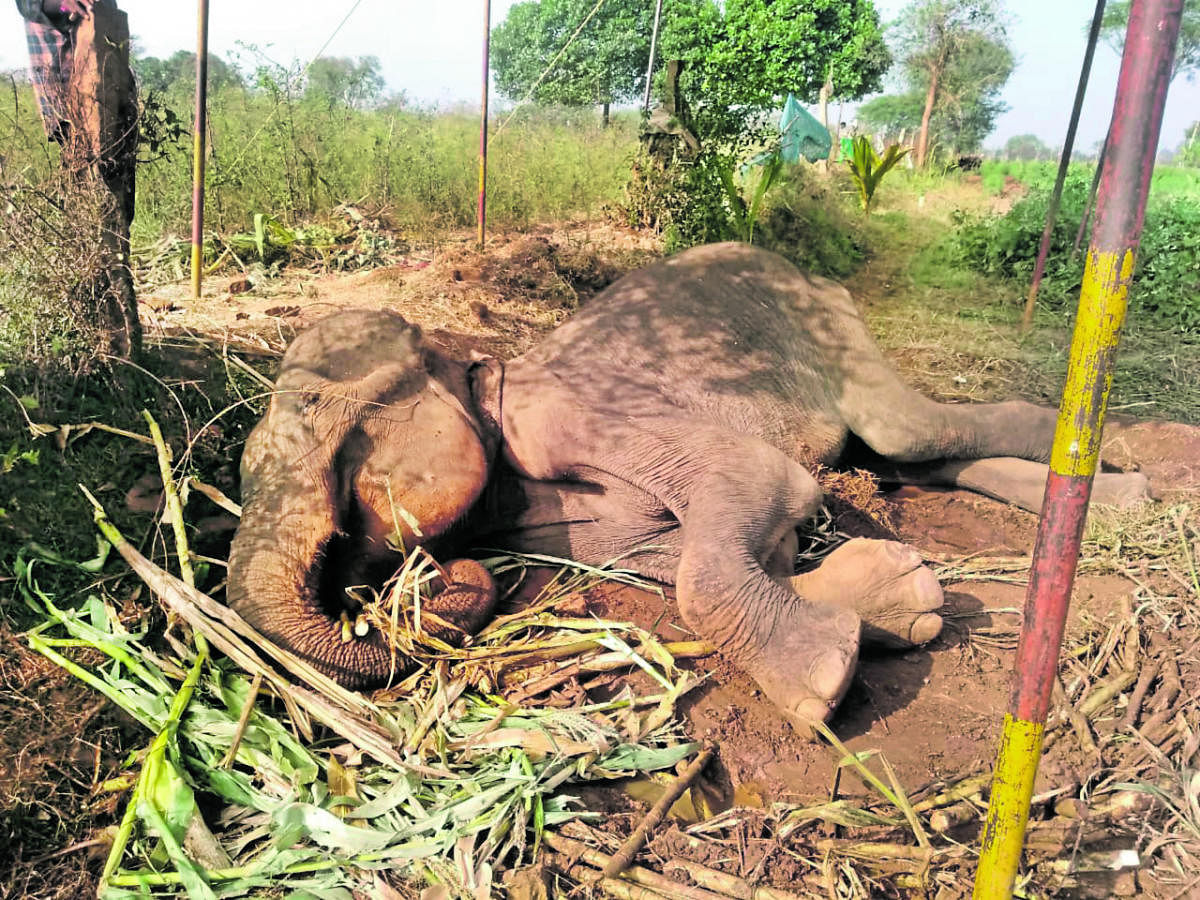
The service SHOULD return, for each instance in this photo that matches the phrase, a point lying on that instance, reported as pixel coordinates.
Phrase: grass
(1167, 179)
(296, 158)
(954, 332)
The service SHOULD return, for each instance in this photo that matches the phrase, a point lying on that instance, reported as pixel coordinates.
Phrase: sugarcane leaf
(632, 757)
(296, 820)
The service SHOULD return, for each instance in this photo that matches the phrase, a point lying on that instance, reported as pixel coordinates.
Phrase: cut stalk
(634, 843)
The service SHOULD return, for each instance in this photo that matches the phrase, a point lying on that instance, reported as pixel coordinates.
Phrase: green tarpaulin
(801, 134)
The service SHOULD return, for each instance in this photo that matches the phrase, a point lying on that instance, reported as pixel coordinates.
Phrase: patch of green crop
(1166, 288)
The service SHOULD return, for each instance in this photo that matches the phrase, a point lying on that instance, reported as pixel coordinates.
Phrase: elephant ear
(485, 379)
(352, 344)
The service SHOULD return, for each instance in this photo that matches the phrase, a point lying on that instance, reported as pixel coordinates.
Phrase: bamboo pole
(199, 126)
(1064, 162)
(1120, 209)
(483, 122)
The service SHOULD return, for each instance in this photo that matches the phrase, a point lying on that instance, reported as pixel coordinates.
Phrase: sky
(431, 49)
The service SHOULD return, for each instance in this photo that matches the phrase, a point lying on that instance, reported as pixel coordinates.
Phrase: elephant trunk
(282, 565)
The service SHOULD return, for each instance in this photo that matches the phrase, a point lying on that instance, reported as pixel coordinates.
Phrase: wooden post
(103, 140)
(1064, 163)
(1120, 209)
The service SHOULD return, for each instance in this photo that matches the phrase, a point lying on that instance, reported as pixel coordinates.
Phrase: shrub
(807, 222)
(687, 200)
(1166, 287)
(53, 284)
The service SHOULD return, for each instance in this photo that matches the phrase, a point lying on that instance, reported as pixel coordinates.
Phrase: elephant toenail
(926, 628)
(926, 590)
(810, 711)
(829, 675)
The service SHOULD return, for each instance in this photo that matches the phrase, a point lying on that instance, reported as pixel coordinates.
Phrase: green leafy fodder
(479, 778)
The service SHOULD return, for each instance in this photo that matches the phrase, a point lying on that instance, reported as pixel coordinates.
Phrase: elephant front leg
(886, 584)
(802, 653)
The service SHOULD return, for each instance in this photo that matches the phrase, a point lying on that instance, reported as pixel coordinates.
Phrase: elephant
(674, 422)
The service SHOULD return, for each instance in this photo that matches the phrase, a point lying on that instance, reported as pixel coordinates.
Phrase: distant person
(50, 31)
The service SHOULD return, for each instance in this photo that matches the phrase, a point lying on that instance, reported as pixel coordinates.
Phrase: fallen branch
(624, 857)
(1138, 696)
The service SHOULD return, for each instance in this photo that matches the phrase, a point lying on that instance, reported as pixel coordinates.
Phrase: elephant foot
(807, 663)
(461, 603)
(884, 582)
(1121, 489)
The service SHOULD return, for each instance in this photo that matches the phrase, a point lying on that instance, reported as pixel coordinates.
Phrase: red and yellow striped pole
(1137, 119)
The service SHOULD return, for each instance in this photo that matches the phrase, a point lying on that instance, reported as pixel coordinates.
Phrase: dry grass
(52, 286)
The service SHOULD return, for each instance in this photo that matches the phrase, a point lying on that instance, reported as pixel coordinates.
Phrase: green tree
(892, 114)
(969, 97)
(1026, 147)
(1187, 55)
(341, 81)
(605, 64)
(741, 56)
(957, 53)
(745, 56)
(175, 76)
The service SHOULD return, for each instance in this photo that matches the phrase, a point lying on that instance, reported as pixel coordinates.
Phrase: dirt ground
(933, 712)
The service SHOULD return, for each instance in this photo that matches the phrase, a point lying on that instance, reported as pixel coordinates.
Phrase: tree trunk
(604, 115)
(923, 137)
(103, 140)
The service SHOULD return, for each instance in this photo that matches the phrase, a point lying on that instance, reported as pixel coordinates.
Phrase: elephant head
(369, 432)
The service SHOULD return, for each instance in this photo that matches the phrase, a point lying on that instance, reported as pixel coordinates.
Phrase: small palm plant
(743, 215)
(868, 168)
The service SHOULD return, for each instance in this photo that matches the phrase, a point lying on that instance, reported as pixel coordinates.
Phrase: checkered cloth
(51, 40)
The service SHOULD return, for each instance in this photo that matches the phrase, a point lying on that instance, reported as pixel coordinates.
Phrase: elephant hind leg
(1017, 481)
(903, 426)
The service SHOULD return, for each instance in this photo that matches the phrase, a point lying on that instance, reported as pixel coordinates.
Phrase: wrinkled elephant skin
(672, 422)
